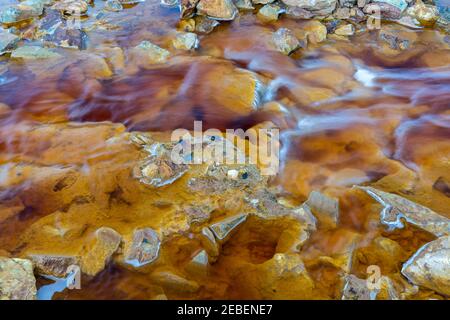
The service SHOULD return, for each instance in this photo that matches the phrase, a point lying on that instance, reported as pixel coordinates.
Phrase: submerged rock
(217, 9)
(426, 14)
(429, 267)
(199, 264)
(345, 30)
(396, 208)
(100, 250)
(316, 32)
(17, 280)
(144, 248)
(285, 41)
(205, 25)
(173, 282)
(8, 41)
(34, 52)
(185, 41)
(150, 53)
(324, 207)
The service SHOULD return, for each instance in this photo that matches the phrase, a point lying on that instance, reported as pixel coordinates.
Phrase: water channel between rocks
(81, 108)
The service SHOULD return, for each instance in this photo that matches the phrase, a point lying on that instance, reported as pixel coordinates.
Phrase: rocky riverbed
(93, 206)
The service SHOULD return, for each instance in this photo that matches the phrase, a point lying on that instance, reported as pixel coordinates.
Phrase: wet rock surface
(90, 92)
(17, 280)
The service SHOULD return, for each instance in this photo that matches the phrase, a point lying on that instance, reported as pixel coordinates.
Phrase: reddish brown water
(354, 111)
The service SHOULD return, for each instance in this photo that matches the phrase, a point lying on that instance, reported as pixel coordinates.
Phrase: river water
(351, 111)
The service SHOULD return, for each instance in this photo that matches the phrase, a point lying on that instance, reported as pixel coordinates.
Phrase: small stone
(233, 174)
(347, 3)
(217, 9)
(205, 24)
(113, 5)
(105, 244)
(429, 267)
(397, 208)
(159, 169)
(298, 13)
(144, 248)
(17, 280)
(223, 229)
(356, 289)
(285, 41)
(34, 52)
(322, 7)
(269, 12)
(244, 4)
(345, 30)
(151, 52)
(391, 9)
(426, 14)
(52, 265)
(324, 207)
(187, 25)
(187, 8)
(185, 41)
(316, 32)
(8, 41)
(199, 264)
(131, 1)
(72, 7)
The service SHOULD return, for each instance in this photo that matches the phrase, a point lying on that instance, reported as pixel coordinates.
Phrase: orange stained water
(350, 112)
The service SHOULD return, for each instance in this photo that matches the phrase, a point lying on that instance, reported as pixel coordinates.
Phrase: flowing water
(351, 111)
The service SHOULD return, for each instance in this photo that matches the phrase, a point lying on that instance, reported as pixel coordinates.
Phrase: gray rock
(222, 230)
(21, 12)
(429, 267)
(217, 9)
(158, 169)
(298, 13)
(396, 208)
(345, 30)
(356, 289)
(72, 7)
(285, 41)
(33, 53)
(144, 248)
(269, 12)
(323, 7)
(185, 41)
(262, 1)
(244, 4)
(8, 41)
(17, 280)
(113, 6)
(52, 265)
